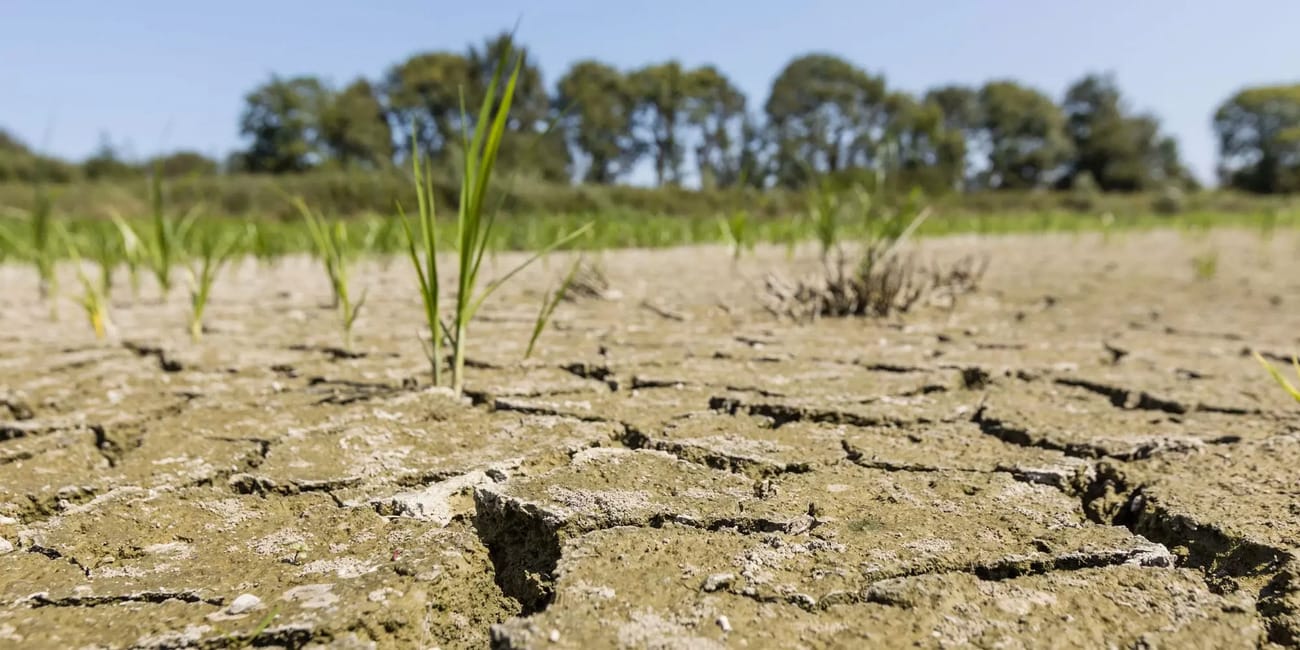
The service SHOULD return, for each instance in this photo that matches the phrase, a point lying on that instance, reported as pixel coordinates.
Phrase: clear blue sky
(165, 75)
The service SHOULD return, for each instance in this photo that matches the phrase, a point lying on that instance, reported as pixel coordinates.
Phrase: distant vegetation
(693, 127)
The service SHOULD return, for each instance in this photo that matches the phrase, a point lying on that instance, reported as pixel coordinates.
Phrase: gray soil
(1082, 453)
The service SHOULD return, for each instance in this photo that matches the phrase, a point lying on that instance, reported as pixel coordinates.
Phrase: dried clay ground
(1079, 454)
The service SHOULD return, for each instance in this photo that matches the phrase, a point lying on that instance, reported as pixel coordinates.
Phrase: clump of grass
(549, 302)
(473, 225)
(262, 245)
(167, 244)
(106, 253)
(93, 298)
(881, 281)
(335, 252)
(40, 248)
(737, 233)
(134, 252)
(1280, 378)
(825, 205)
(383, 238)
(213, 253)
(1206, 265)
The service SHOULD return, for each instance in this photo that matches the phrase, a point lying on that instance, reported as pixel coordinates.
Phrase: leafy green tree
(756, 161)
(1259, 139)
(960, 106)
(716, 110)
(1026, 137)
(924, 150)
(531, 108)
(826, 113)
(595, 105)
(354, 128)
(963, 128)
(661, 96)
(1122, 152)
(424, 94)
(282, 118)
(535, 148)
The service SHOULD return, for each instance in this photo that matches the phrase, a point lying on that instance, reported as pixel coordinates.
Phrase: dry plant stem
(549, 303)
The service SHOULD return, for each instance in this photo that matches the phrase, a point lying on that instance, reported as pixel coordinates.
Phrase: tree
(924, 150)
(824, 113)
(962, 123)
(595, 106)
(661, 94)
(282, 117)
(1259, 139)
(1026, 136)
(756, 160)
(424, 94)
(716, 109)
(1122, 152)
(533, 148)
(531, 108)
(354, 128)
(960, 106)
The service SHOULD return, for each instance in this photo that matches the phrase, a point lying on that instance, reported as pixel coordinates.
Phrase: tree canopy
(683, 124)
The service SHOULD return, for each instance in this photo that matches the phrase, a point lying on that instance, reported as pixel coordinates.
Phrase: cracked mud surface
(1081, 454)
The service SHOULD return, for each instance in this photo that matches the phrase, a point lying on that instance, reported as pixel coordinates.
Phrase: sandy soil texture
(1082, 453)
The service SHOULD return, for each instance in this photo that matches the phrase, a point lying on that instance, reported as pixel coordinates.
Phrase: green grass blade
(1279, 377)
(495, 284)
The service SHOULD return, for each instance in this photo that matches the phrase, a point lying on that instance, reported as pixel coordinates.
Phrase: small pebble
(724, 623)
(244, 603)
(554, 636)
(6, 546)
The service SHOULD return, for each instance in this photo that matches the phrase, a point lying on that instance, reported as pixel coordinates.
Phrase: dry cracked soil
(1082, 453)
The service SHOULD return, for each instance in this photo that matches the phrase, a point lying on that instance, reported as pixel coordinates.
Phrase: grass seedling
(1206, 265)
(825, 212)
(549, 303)
(736, 232)
(335, 253)
(42, 243)
(106, 255)
(426, 270)
(1280, 378)
(213, 253)
(39, 250)
(473, 223)
(93, 299)
(133, 252)
(261, 243)
(167, 243)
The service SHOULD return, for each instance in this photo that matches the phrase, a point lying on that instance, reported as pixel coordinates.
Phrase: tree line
(823, 115)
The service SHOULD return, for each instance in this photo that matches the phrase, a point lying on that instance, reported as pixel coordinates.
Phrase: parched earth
(1080, 454)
